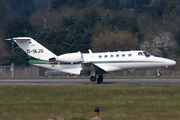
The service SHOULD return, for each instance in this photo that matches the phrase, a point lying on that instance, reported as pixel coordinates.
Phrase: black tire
(158, 74)
(100, 79)
(93, 79)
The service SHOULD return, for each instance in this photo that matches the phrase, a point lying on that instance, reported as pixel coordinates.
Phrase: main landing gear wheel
(158, 74)
(93, 79)
(100, 79)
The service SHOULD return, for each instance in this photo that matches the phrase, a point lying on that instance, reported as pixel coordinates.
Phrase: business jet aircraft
(93, 64)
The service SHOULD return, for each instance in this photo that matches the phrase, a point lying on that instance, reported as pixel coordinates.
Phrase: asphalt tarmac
(41, 81)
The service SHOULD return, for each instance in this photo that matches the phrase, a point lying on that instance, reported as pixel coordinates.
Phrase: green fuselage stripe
(38, 61)
(96, 62)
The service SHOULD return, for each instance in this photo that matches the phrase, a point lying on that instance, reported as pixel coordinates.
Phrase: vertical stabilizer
(33, 49)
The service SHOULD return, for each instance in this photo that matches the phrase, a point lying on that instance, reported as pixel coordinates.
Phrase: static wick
(96, 114)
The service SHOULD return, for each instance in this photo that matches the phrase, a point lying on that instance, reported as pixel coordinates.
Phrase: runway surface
(40, 81)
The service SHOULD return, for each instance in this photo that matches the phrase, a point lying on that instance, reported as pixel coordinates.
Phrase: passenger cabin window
(111, 56)
(100, 56)
(147, 54)
(105, 56)
(129, 55)
(140, 54)
(117, 55)
(123, 55)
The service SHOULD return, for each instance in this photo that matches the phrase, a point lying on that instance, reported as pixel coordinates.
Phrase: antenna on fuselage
(90, 51)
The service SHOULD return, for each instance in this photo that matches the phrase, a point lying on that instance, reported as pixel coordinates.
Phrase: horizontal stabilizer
(22, 38)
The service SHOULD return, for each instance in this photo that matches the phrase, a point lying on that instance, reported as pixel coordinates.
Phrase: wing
(90, 68)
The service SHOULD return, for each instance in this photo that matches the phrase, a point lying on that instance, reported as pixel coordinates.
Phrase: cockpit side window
(140, 54)
(147, 54)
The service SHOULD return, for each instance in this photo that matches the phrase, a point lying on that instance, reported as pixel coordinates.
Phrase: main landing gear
(99, 79)
(93, 79)
(158, 74)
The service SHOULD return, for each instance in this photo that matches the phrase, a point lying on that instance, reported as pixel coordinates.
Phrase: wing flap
(88, 66)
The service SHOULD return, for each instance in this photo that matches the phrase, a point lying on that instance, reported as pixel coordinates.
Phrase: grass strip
(77, 102)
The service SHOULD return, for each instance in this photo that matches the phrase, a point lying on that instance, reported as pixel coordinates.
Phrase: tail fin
(33, 49)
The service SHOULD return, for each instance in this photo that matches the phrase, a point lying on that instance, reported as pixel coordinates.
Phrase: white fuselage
(113, 61)
(89, 63)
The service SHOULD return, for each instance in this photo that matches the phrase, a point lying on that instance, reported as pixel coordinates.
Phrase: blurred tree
(115, 41)
(159, 7)
(51, 38)
(2, 9)
(171, 5)
(55, 39)
(19, 57)
(69, 3)
(86, 28)
(91, 17)
(163, 45)
(121, 22)
(3, 16)
(68, 23)
(79, 31)
(112, 5)
(117, 5)
(16, 27)
(3, 52)
(43, 5)
(58, 4)
(21, 7)
(139, 4)
(177, 38)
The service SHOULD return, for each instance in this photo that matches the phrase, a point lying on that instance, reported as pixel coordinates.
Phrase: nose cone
(173, 62)
(170, 62)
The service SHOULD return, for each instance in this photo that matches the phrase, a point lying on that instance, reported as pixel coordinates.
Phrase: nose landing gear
(158, 74)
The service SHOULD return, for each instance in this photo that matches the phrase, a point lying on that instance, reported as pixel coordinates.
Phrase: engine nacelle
(70, 57)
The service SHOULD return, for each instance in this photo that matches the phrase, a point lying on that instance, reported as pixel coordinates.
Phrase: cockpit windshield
(147, 54)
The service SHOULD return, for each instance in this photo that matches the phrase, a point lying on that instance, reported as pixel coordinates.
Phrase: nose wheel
(158, 74)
